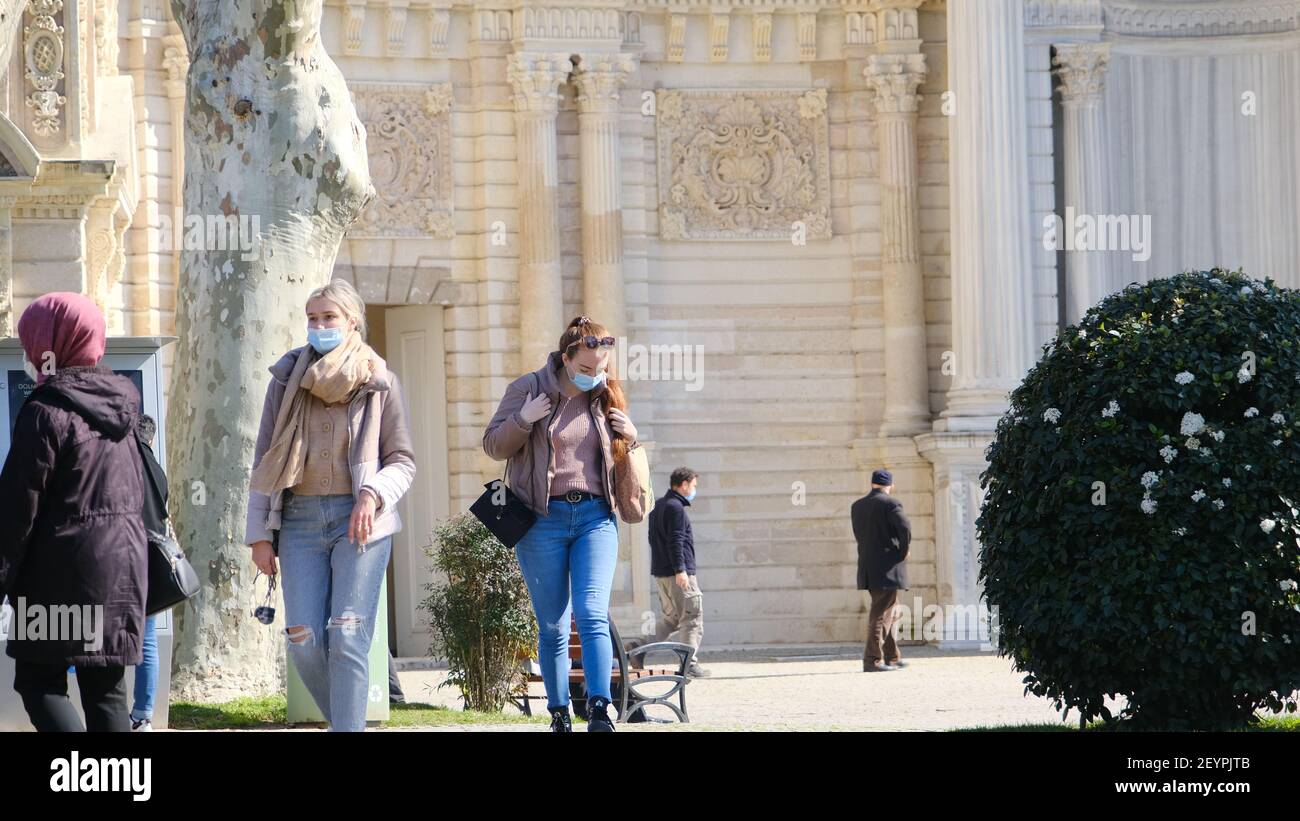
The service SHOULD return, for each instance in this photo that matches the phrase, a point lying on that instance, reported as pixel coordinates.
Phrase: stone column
(895, 79)
(992, 288)
(535, 79)
(1082, 69)
(599, 78)
(992, 284)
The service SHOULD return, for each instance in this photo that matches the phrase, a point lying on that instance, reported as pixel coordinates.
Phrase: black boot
(560, 721)
(598, 716)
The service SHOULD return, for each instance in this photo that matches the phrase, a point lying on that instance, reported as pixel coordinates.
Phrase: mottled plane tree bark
(274, 147)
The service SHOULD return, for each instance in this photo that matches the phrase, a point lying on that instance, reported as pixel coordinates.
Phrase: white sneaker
(144, 725)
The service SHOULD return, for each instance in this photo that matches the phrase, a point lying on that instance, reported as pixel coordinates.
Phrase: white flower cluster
(1227, 482)
(1149, 479)
(1267, 525)
(1110, 410)
(1198, 495)
(1184, 378)
(1148, 505)
(1218, 504)
(1277, 419)
(1052, 415)
(1244, 375)
(1192, 424)
(1168, 452)
(1192, 443)
(1251, 412)
(1287, 584)
(1216, 435)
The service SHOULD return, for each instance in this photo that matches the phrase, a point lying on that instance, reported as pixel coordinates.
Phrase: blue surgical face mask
(325, 340)
(585, 382)
(690, 497)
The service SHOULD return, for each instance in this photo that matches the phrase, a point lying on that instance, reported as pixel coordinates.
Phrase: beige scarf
(331, 378)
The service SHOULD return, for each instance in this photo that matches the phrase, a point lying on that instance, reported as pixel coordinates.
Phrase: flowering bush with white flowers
(1173, 587)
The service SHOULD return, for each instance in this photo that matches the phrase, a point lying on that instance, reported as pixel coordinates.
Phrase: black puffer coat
(71, 493)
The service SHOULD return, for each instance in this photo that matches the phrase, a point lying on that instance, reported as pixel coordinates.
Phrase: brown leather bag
(635, 495)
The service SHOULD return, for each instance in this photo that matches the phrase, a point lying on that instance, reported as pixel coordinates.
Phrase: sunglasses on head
(594, 342)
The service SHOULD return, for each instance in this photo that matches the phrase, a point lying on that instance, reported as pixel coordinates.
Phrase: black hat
(882, 477)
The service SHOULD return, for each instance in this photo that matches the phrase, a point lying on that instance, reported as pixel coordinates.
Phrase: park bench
(627, 683)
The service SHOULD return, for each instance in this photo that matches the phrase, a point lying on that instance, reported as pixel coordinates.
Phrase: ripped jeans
(331, 600)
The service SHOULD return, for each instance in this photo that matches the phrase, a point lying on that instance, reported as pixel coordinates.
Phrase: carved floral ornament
(740, 164)
(408, 138)
(43, 56)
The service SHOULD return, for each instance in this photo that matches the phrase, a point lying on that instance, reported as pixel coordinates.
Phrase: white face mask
(34, 374)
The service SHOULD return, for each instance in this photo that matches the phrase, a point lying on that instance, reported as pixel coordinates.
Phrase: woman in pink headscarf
(71, 494)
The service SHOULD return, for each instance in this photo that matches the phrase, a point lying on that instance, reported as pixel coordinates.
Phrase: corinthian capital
(895, 79)
(535, 79)
(599, 78)
(1082, 69)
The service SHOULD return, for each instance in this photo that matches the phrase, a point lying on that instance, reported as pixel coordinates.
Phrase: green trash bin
(301, 707)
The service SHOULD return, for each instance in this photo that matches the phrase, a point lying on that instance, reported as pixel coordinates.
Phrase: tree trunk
(273, 142)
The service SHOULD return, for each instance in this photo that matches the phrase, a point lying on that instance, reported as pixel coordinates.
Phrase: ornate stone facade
(408, 139)
(741, 164)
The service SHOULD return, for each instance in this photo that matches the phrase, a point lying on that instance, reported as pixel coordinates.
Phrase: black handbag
(172, 579)
(502, 512)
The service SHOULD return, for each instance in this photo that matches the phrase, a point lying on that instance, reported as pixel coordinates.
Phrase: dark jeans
(880, 627)
(44, 690)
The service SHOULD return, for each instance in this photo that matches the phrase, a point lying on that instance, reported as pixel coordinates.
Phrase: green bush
(481, 616)
(1139, 532)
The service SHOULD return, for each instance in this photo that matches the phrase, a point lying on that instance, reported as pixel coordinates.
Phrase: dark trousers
(44, 690)
(880, 627)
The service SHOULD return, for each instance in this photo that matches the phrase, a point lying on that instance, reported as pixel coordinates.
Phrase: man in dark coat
(884, 536)
(73, 555)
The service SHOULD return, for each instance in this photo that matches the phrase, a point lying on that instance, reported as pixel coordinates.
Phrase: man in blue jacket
(672, 563)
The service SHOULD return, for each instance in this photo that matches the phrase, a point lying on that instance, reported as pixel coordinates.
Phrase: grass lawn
(268, 713)
(1275, 724)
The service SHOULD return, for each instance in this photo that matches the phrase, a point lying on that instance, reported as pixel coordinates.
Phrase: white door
(415, 353)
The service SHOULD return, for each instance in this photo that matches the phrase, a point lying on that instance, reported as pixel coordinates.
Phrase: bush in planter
(482, 619)
(1139, 527)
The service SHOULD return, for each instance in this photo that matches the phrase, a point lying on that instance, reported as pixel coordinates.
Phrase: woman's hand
(535, 407)
(622, 425)
(362, 523)
(264, 557)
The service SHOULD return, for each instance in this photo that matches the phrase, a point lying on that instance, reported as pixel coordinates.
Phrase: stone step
(725, 630)
(789, 459)
(738, 313)
(749, 485)
(751, 340)
(830, 601)
(710, 505)
(676, 358)
(777, 576)
(755, 386)
(754, 526)
(690, 407)
(812, 431)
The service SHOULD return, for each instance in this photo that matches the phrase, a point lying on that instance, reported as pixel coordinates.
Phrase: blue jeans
(575, 546)
(146, 674)
(331, 600)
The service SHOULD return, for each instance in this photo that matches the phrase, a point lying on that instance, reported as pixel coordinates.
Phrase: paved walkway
(825, 689)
